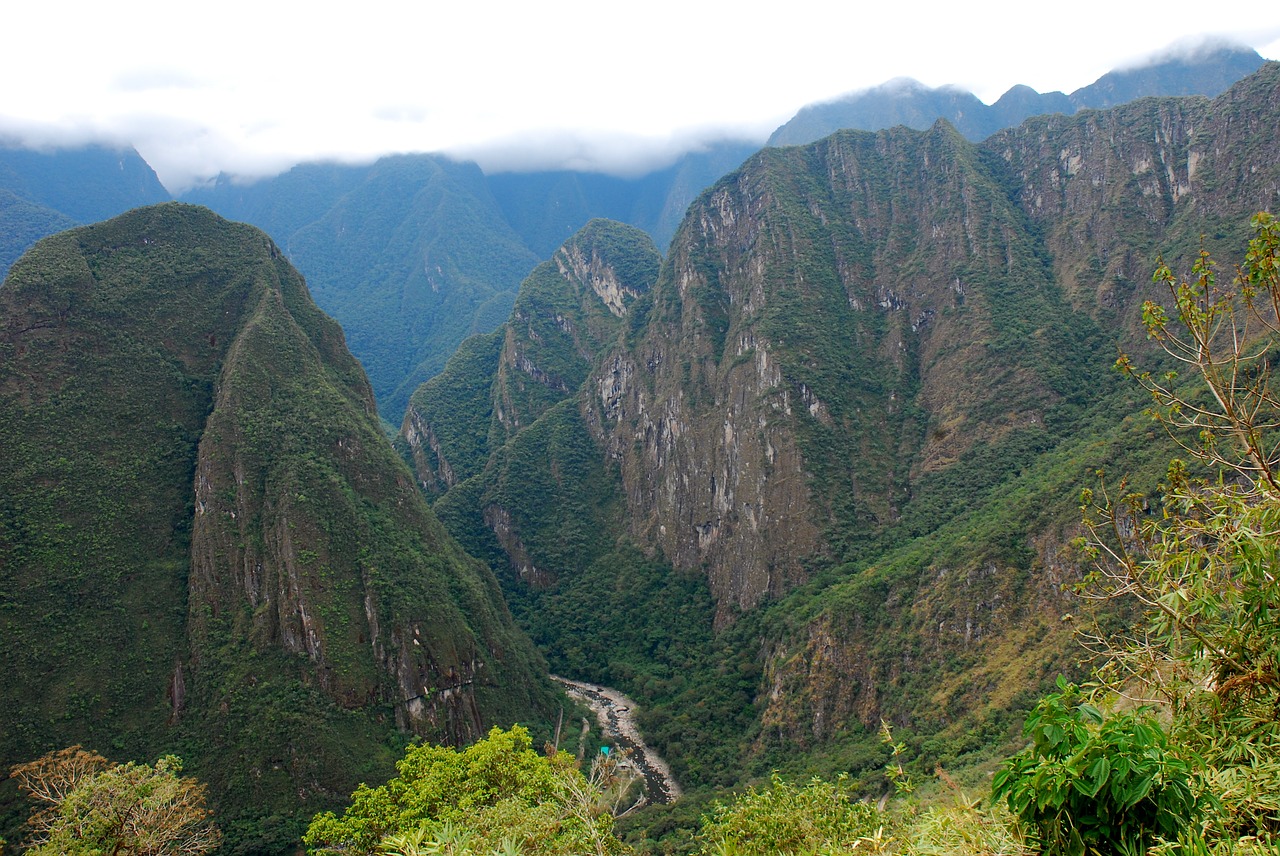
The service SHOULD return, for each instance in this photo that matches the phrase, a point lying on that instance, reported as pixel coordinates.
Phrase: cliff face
(833, 323)
(500, 437)
(567, 311)
(1097, 196)
(869, 380)
(199, 472)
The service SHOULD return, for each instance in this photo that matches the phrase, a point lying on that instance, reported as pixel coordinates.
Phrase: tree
(496, 795)
(1205, 570)
(89, 806)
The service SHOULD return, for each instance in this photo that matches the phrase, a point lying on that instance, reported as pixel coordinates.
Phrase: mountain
(22, 223)
(410, 254)
(547, 208)
(856, 403)
(208, 547)
(1208, 70)
(42, 192)
(414, 253)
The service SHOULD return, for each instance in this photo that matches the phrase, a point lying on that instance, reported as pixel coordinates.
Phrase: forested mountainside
(846, 420)
(1207, 71)
(42, 192)
(208, 547)
(414, 253)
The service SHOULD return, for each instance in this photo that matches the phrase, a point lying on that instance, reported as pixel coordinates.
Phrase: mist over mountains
(1209, 70)
(414, 252)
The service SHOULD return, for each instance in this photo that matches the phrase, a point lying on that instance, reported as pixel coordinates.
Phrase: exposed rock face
(567, 312)
(1104, 192)
(818, 310)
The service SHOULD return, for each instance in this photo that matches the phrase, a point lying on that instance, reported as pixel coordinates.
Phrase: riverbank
(616, 715)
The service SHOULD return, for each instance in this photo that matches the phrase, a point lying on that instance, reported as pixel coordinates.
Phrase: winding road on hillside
(616, 715)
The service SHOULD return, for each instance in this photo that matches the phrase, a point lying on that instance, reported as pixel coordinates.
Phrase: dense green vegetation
(207, 546)
(497, 795)
(42, 192)
(22, 223)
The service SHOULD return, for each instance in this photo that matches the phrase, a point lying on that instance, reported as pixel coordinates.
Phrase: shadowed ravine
(615, 713)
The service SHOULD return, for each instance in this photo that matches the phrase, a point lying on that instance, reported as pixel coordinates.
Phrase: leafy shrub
(820, 817)
(1090, 783)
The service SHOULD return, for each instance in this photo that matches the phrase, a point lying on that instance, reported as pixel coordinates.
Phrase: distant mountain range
(415, 252)
(1206, 71)
(42, 192)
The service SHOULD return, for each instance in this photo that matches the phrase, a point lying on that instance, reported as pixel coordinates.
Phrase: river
(616, 715)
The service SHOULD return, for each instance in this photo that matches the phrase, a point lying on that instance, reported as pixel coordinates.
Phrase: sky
(251, 87)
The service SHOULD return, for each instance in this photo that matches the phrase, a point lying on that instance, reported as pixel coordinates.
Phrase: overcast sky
(251, 87)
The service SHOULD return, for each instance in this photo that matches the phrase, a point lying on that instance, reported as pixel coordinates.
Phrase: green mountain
(547, 208)
(1208, 70)
(208, 547)
(856, 404)
(42, 192)
(22, 223)
(412, 254)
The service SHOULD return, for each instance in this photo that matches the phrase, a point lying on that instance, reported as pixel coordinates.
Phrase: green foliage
(1090, 783)
(22, 223)
(411, 255)
(785, 818)
(90, 808)
(496, 793)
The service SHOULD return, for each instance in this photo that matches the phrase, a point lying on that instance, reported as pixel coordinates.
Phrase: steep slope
(410, 254)
(834, 324)
(929, 631)
(414, 253)
(868, 382)
(1206, 71)
(411, 262)
(499, 437)
(206, 544)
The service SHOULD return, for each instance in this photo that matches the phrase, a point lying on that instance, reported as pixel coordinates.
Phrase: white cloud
(251, 87)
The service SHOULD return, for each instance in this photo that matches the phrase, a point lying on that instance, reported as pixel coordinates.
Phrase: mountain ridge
(1208, 71)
